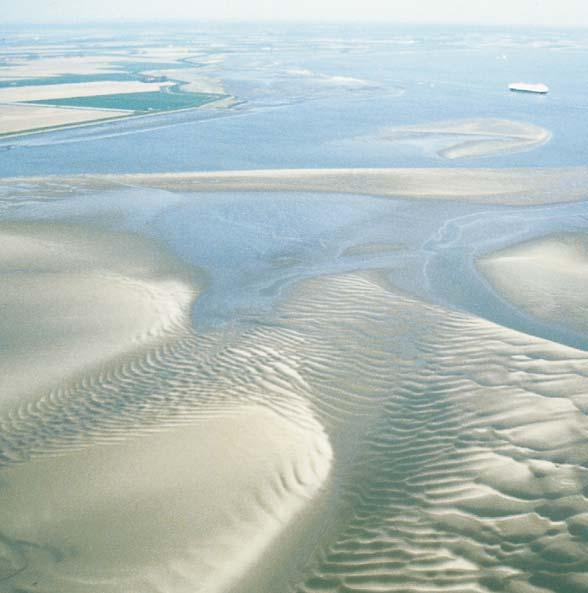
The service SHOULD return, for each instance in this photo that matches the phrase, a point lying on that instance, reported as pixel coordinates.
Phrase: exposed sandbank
(74, 298)
(491, 186)
(547, 277)
(118, 471)
(455, 448)
(442, 471)
(472, 138)
(183, 509)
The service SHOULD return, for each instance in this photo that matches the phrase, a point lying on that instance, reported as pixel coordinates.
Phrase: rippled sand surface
(355, 436)
(74, 297)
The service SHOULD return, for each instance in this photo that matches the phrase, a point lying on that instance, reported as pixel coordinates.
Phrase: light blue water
(294, 115)
(255, 246)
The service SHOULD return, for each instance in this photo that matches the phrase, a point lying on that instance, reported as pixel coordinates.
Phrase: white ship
(526, 87)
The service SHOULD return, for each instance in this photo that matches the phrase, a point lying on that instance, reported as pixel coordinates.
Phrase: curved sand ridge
(490, 186)
(471, 138)
(458, 464)
(109, 483)
(548, 277)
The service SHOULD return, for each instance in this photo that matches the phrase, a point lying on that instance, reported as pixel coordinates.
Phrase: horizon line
(184, 21)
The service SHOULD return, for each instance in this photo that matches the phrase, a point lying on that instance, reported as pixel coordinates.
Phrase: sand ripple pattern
(460, 447)
(472, 472)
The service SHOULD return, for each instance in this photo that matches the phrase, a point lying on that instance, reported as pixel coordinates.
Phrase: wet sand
(182, 508)
(134, 483)
(489, 186)
(442, 449)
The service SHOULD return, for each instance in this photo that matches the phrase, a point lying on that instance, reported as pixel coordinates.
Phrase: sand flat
(182, 509)
(171, 486)
(492, 186)
(23, 118)
(418, 429)
(353, 437)
(85, 89)
(502, 186)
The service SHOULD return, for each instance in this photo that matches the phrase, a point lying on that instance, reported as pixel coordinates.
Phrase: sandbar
(470, 138)
(522, 186)
(546, 277)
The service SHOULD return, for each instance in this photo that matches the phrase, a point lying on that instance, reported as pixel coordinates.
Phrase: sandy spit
(523, 186)
(470, 138)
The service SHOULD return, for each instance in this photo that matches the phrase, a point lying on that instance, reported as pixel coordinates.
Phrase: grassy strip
(142, 102)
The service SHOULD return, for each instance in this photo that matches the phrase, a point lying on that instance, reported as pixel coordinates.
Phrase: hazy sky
(532, 12)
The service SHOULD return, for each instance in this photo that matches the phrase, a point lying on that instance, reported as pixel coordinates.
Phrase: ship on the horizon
(526, 87)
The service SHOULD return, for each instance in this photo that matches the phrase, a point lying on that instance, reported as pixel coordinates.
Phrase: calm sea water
(320, 96)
